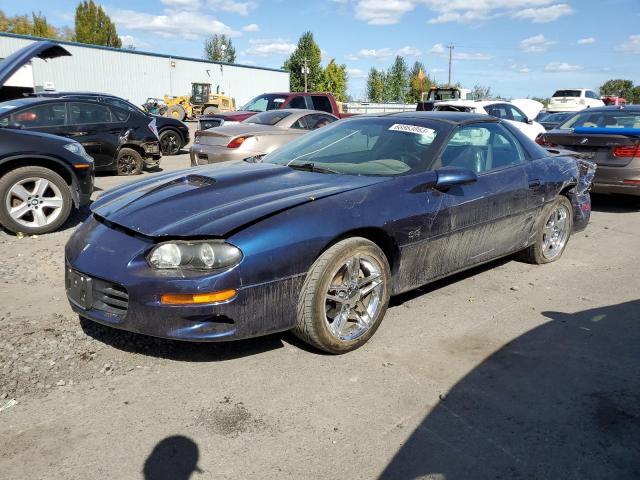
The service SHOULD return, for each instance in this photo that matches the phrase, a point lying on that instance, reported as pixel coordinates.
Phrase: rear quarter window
(321, 103)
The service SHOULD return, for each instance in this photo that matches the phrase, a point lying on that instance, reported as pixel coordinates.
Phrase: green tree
(307, 49)
(218, 48)
(419, 82)
(35, 25)
(94, 26)
(335, 80)
(633, 95)
(397, 81)
(41, 28)
(617, 87)
(375, 85)
(480, 92)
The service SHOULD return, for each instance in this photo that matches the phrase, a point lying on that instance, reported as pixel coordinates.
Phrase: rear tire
(344, 296)
(129, 162)
(210, 110)
(177, 111)
(170, 142)
(552, 235)
(46, 204)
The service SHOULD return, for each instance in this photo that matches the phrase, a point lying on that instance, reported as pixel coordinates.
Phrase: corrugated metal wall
(136, 76)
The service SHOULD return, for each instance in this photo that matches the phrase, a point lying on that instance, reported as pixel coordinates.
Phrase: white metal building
(137, 75)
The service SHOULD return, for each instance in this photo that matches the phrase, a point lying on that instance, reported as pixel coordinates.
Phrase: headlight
(76, 148)
(199, 255)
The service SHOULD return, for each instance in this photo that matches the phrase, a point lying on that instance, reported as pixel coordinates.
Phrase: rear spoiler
(606, 131)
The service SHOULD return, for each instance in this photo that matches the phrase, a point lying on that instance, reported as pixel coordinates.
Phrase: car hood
(44, 50)
(531, 108)
(216, 200)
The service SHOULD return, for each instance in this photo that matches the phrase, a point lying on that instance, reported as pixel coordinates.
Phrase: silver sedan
(256, 136)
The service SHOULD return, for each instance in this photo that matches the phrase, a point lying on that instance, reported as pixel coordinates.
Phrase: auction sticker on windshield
(403, 127)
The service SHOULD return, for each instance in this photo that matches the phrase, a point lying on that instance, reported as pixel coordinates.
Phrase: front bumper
(256, 310)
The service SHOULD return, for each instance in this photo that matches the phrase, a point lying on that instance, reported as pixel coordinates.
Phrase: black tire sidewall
(136, 155)
(13, 176)
(164, 133)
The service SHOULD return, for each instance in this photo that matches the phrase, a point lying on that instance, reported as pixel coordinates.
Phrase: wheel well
(565, 191)
(137, 148)
(376, 235)
(37, 162)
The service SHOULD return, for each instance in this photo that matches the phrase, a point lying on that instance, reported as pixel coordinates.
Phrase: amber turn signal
(80, 166)
(195, 298)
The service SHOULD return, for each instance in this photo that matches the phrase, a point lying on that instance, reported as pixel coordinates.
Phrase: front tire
(170, 142)
(33, 200)
(344, 296)
(553, 233)
(129, 162)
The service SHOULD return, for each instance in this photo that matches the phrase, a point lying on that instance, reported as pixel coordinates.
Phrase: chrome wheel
(555, 232)
(34, 202)
(354, 297)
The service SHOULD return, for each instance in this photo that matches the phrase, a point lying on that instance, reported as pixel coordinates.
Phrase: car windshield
(567, 93)
(385, 146)
(606, 119)
(268, 118)
(262, 103)
(554, 117)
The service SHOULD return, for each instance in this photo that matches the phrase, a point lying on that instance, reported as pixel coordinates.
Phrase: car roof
(448, 117)
(610, 108)
(301, 111)
(63, 94)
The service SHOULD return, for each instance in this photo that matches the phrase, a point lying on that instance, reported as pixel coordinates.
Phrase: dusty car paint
(282, 219)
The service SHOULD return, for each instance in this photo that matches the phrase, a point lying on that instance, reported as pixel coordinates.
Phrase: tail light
(627, 151)
(196, 137)
(541, 140)
(236, 142)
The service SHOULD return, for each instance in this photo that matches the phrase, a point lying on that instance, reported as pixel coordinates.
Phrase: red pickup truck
(273, 101)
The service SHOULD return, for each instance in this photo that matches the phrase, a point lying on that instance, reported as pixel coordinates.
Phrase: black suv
(173, 133)
(118, 140)
(41, 176)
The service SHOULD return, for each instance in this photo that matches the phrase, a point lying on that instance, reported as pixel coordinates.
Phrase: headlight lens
(75, 148)
(202, 255)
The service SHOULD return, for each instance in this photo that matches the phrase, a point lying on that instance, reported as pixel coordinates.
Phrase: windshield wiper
(310, 167)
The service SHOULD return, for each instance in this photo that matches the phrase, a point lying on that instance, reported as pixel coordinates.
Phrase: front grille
(110, 297)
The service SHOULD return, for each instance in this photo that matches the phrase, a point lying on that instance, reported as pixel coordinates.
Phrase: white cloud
(183, 4)
(631, 45)
(536, 44)
(129, 40)
(268, 48)
(229, 6)
(471, 56)
(438, 70)
(383, 12)
(561, 67)
(545, 14)
(524, 70)
(252, 27)
(586, 41)
(382, 53)
(170, 24)
(437, 48)
(356, 73)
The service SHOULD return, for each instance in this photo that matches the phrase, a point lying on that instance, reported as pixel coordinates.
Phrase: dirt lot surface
(507, 371)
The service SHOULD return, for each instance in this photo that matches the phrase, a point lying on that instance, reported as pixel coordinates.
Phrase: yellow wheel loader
(200, 102)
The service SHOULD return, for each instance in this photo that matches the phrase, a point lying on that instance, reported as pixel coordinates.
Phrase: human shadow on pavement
(561, 401)
(178, 350)
(173, 458)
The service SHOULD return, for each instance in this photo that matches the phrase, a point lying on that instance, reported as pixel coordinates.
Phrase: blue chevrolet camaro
(319, 234)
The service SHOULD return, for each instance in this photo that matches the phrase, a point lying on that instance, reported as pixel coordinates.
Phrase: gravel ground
(68, 388)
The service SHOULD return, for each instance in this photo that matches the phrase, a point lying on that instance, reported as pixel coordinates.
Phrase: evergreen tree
(617, 87)
(219, 48)
(94, 26)
(307, 49)
(335, 80)
(397, 81)
(376, 85)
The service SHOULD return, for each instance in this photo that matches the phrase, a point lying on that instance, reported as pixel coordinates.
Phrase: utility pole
(450, 47)
(305, 70)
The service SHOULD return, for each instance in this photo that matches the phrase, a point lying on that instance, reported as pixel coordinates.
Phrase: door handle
(534, 183)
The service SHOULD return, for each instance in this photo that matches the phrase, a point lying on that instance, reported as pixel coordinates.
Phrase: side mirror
(529, 121)
(452, 176)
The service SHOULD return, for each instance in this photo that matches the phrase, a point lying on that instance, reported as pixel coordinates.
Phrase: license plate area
(79, 288)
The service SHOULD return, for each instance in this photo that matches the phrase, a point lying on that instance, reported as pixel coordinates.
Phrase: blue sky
(517, 47)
